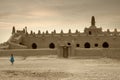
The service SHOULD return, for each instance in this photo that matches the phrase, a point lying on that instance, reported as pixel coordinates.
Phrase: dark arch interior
(96, 45)
(105, 45)
(21, 43)
(34, 46)
(90, 33)
(69, 43)
(87, 45)
(77, 45)
(52, 45)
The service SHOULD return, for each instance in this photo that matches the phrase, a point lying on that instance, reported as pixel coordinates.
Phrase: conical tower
(93, 22)
(13, 30)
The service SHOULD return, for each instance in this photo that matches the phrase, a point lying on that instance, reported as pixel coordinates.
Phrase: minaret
(93, 21)
(13, 30)
(25, 29)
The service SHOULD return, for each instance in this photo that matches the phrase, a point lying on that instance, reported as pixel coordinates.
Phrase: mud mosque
(65, 44)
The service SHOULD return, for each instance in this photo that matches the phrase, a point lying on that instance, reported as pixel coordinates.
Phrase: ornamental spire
(93, 21)
(13, 30)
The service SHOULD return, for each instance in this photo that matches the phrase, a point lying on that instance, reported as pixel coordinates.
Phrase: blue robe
(12, 59)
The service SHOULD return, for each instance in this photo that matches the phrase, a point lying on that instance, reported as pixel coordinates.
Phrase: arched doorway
(34, 46)
(105, 45)
(87, 45)
(52, 45)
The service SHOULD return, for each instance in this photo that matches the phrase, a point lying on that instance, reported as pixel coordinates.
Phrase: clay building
(65, 44)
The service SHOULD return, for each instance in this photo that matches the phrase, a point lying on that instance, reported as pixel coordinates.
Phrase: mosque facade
(65, 43)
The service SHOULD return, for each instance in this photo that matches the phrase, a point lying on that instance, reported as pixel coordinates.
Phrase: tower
(93, 21)
(13, 30)
(25, 29)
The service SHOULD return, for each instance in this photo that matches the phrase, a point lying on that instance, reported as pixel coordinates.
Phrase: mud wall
(108, 52)
(28, 52)
(79, 52)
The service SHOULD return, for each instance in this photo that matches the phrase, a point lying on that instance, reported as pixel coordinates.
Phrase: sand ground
(53, 68)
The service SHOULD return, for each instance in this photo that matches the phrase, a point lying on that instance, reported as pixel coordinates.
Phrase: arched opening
(52, 45)
(105, 45)
(87, 45)
(96, 45)
(90, 33)
(21, 43)
(34, 46)
(77, 45)
(69, 43)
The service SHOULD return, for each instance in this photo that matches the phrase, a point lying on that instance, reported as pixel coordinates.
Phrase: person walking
(12, 59)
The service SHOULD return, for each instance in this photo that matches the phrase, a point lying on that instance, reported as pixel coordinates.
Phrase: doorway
(34, 46)
(65, 52)
(87, 45)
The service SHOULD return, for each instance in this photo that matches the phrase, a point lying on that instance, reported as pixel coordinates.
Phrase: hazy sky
(57, 14)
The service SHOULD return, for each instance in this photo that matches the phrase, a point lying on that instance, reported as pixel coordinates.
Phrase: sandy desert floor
(53, 68)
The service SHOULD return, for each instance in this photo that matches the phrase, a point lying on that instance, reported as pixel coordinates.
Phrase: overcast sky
(57, 14)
